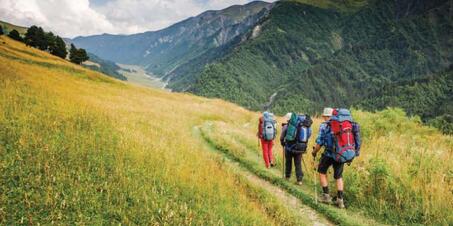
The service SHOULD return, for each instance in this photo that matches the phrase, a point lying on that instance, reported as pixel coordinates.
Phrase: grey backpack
(269, 130)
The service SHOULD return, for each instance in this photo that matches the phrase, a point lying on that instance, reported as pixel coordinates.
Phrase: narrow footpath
(301, 198)
(287, 199)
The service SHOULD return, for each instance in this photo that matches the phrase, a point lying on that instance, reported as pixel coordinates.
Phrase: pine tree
(36, 37)
(50, 40)
(31, 36)
(58, 47)
(77, 56)
(15, 35)
(83, 56)
(72, 53)
(42, 40)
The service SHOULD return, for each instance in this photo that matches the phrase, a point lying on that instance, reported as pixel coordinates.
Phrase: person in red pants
(267, 131)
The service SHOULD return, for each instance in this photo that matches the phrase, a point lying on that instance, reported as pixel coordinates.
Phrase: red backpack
(341, 125)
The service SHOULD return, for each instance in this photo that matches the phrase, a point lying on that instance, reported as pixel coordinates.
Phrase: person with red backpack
(340, 136)
(267, 131)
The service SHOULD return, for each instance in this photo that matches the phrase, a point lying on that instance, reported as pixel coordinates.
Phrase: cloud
(63, 17)
(70, 18)
(144, 15)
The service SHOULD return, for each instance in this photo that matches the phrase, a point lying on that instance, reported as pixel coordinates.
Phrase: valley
(137, 75)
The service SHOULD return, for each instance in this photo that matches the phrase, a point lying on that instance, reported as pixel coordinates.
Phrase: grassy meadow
(77, 147)
(402, 176)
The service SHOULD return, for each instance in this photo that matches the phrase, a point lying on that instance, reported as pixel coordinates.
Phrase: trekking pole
(283, 163)
(314, 180)
(305, 165)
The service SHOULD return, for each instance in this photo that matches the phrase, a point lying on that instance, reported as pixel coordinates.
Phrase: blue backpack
(301, 134)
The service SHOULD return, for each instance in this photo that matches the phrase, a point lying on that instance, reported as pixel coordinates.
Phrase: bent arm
(358, 141)
(258, 133)
(320, 139)
(282, 135)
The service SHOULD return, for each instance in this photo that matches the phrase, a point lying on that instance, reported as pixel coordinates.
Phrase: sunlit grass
(79, 147)
(403, 175)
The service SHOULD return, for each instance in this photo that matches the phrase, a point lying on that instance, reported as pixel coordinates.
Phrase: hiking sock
(325, 190)
(340, 194)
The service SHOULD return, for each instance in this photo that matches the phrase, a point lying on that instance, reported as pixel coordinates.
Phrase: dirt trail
(287, 199)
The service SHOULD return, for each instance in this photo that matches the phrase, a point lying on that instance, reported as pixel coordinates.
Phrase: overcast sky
(70, 18)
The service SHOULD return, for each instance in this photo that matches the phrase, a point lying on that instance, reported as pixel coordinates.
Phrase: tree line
(36, 37)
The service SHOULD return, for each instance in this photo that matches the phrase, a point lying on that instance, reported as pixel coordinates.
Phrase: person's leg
(323, 180)
(323, 166)
(298, 166)
(340, 186)
(270, 154)
(288, 164)
(338, 175)
(264, 146)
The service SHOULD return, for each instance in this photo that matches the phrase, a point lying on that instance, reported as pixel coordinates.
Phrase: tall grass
(403, 175)
(77, 147)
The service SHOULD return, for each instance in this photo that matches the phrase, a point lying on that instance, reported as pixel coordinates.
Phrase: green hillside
(431, 98)
(7, 27)
(255, 70)
(313, 57)
(340, 5)
(104, 66)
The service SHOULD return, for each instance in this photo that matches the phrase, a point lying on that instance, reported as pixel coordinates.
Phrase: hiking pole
(314, 180)
(303, 163)
(283, 163)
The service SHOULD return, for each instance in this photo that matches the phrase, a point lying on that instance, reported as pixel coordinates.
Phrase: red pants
(267, 152)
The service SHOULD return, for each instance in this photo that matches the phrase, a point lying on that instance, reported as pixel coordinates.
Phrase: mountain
(193, 42)
(308, 57)
(302, 55)
(78, 147)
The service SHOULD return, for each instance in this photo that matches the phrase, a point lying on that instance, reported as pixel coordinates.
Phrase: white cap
(327, 112)
(288, 116)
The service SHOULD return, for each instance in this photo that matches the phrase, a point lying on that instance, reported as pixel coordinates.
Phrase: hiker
(340, 137)
(267, 131)
(295, 134)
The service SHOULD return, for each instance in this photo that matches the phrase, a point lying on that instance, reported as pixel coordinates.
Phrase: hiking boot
(325, 198)
(272, 164)
(339, 203)
(299, 182)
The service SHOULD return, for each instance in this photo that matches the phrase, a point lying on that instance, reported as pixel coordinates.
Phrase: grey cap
(327, 112)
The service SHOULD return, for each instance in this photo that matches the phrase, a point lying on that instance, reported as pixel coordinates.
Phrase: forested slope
(315, 57)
